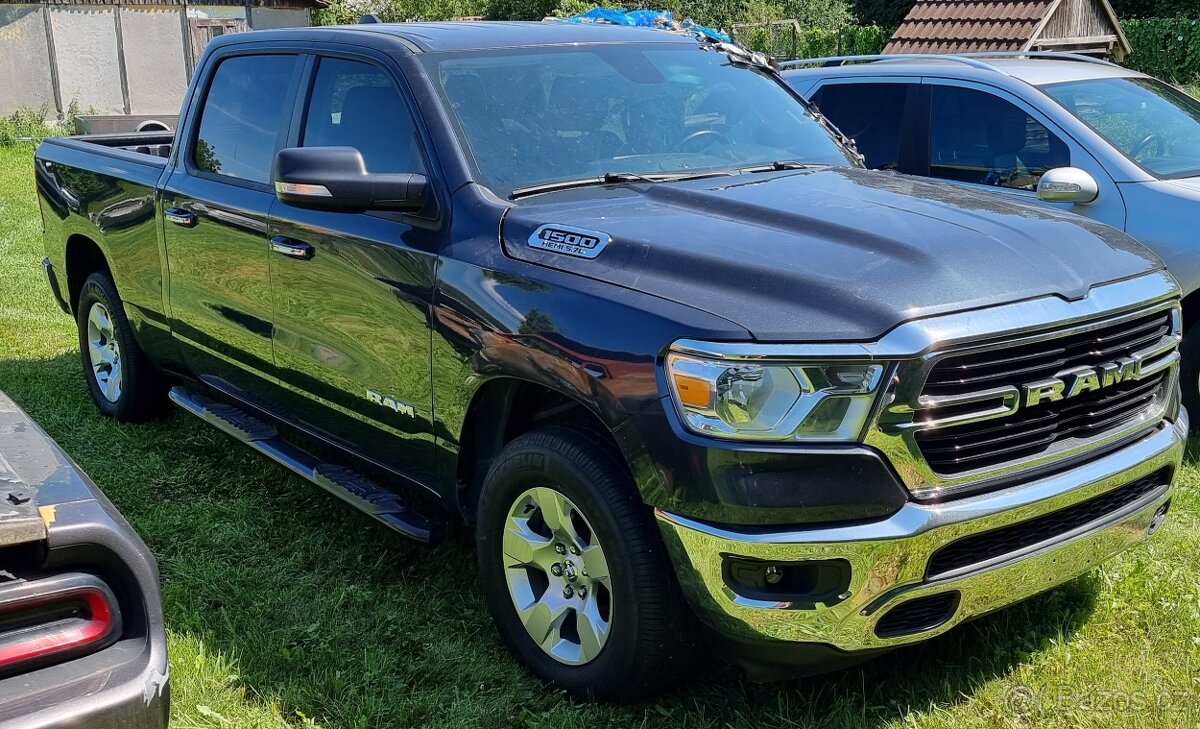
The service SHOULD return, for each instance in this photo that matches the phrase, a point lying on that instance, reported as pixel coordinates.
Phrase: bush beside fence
(1168, 48)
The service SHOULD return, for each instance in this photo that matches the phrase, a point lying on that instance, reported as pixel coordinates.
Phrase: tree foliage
(1168, 48)
(1127, 9)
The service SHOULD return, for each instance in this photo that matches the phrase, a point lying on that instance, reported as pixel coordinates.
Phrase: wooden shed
(963, 26)
(119, 56)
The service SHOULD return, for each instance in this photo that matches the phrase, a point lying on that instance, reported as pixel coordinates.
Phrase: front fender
(598, 344)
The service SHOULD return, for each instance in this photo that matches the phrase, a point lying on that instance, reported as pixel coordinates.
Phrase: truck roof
(483, 34)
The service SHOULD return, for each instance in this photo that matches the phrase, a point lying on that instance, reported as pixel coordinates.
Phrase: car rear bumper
(887, 563)
(121, 681)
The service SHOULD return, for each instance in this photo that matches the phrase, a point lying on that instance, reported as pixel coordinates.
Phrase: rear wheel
(121, 380)
(574, 571)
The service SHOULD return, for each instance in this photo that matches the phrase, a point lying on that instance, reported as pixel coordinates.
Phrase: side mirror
(336, 178)
(1068, 185)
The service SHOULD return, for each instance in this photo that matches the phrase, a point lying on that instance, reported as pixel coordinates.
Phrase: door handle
(179, 216)
(292, 248)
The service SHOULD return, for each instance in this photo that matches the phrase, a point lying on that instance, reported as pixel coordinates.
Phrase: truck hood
(825, 254)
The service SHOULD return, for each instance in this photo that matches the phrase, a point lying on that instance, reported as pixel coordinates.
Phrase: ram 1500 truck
(618, 299)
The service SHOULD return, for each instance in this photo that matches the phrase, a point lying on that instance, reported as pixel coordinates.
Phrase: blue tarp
(648, 19)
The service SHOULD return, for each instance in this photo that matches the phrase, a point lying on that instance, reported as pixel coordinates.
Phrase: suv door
(216, 203)
(984, 136)
(353, 291)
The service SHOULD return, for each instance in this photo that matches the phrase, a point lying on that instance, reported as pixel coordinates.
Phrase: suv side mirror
(1068, 185)
(336, 178)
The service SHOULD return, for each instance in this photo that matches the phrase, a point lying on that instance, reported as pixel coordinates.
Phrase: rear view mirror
(336, 178)
(1068, 185)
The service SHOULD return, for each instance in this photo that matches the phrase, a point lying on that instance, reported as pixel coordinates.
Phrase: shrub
(337, 12)
(884, 13)
(1155, 8)
(28, 125)
(1168, 48)
(784, 43)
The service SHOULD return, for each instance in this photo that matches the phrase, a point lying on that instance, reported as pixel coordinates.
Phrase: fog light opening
(803, 585)
(1159, 517)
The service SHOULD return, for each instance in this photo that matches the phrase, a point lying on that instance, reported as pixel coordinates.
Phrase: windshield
(536, 116)
(1154, 124)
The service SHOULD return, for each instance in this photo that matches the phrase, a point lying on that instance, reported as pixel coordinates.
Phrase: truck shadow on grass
(283, 603)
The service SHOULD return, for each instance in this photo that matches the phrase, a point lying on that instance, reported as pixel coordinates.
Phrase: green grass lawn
(286, 608)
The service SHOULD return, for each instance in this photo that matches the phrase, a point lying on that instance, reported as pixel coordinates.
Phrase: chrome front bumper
(888, 558)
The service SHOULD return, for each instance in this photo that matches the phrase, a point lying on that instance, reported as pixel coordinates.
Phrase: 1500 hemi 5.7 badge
(569, 240)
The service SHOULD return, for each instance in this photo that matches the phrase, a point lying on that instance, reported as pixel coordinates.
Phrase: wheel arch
(83, 258)
(503, 408)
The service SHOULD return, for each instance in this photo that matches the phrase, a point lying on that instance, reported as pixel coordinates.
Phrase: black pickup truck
(621, 301)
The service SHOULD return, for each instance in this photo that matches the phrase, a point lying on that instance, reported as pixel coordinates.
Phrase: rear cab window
(244, 110)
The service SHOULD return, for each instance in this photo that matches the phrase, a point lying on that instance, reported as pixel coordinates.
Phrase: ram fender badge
(391, 403)
(572, 241)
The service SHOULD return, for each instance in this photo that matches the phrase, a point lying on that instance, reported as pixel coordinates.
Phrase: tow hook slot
(1159, 517)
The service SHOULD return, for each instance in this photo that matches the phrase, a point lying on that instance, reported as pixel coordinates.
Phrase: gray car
(82, 642)
(1070, 131)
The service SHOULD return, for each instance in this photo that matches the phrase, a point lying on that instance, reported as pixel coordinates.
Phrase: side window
(870, 114)
(977, 137)
(356, 105)
(242, 114)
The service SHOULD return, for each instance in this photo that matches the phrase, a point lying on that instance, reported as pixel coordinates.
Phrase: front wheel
(574, 571)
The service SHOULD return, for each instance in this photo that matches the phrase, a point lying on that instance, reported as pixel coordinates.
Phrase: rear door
(353, 291)
(216, 203)
(880, 115)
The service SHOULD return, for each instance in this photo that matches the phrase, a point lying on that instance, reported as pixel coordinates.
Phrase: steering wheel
(1159, 147)
(689, 143)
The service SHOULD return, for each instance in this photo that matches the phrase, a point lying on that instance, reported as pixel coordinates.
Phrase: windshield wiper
(782, 165)
(612, 178)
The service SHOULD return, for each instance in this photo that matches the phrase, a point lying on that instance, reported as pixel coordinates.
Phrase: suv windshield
(536, 116)
(1155, 125)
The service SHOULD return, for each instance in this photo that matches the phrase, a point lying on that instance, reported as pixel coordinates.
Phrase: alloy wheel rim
(104, 352)
(557, 575)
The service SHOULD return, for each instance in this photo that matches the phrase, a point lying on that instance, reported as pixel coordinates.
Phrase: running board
(352, 487)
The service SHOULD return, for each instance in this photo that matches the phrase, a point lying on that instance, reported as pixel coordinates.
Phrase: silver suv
(1070, 131)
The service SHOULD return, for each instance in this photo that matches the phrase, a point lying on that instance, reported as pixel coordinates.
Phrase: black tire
(653, 637)
(1189, 373)
(141, 389)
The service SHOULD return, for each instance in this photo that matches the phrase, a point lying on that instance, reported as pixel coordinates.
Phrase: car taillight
(54, 619)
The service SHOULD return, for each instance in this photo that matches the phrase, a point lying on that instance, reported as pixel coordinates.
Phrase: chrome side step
(352, 487)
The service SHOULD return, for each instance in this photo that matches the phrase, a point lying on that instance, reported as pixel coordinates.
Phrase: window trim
(188, 153)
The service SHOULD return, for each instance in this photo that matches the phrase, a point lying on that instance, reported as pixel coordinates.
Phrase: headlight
(766, 400)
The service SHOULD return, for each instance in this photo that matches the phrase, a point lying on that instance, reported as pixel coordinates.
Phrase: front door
(353, 291)
(986, 137)
(216, 205)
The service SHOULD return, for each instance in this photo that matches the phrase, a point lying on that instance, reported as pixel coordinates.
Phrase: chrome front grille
(1030, 430)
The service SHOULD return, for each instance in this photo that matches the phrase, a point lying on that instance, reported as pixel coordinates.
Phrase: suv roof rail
(973, 59)
(1044, 55)
(844, 60)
